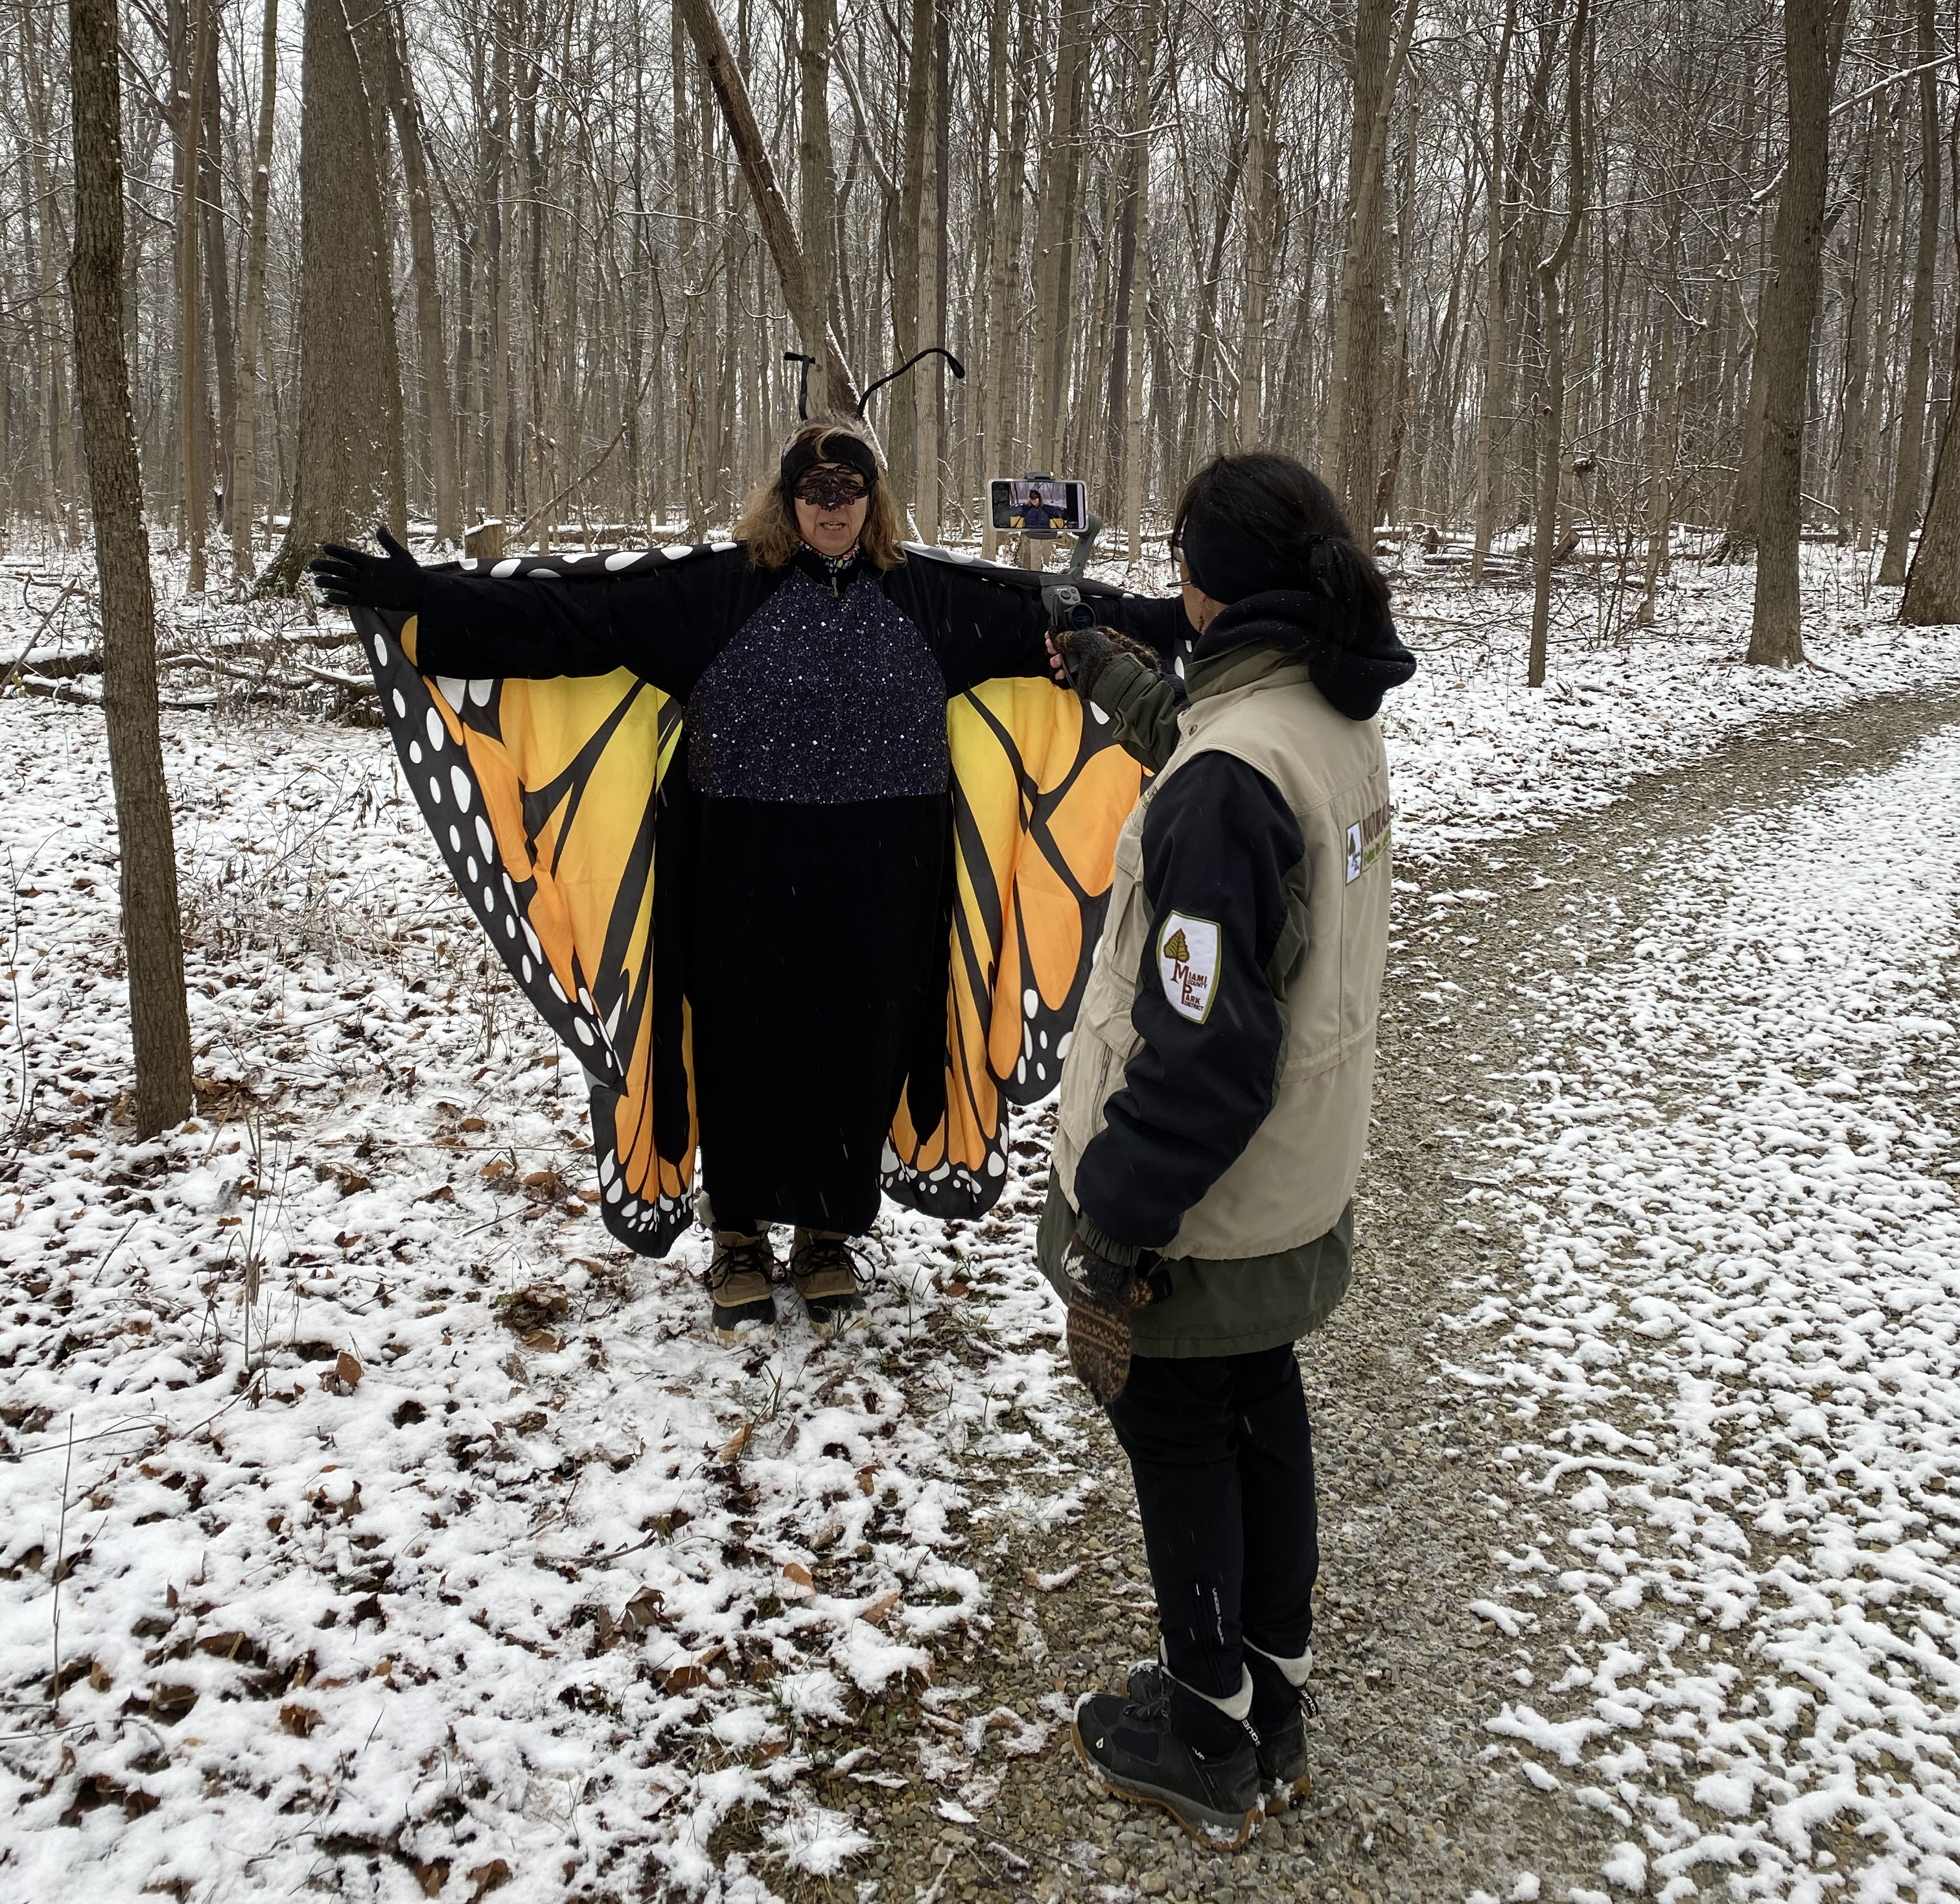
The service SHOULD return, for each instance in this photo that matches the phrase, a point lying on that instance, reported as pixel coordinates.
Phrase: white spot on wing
(508, 566)
(479, 692)
(624, 557)
(460, 782)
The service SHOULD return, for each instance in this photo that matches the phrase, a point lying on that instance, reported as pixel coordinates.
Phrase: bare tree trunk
(1262, 88)
(244, 445)
(391, 37)
(1932, 586)
(1858, 287)
(1667, 448)
(194, 469)
(1812, 31)
(1551, 436)
(348, 469)
(1906, 474)
(731, 93)
(1355, 375)
(1055, 318)
(928, 382)
(45, 268)
(1004, 272)
(217, 273)
(160, 1025)
(813, 318)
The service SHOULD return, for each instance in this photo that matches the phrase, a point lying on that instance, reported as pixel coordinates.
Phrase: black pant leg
(1178, 1420)
(1275, 1475)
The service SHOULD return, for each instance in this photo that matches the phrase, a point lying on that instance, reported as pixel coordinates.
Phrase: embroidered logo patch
(1187, 962)
(1367, 841)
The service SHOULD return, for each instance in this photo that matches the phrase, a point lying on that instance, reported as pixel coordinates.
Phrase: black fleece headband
(839, 445)
(1228, 566)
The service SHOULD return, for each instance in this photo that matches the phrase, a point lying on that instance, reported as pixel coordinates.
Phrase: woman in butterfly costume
(791, 839)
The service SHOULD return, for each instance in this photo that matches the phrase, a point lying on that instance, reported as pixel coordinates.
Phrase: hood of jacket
(1353, 659)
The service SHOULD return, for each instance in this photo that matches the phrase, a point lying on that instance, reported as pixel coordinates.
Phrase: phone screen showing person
(1038, 506)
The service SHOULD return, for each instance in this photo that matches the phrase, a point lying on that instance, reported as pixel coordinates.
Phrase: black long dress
(802, 851)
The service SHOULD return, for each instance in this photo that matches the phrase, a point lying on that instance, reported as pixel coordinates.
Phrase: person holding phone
(815, 663)
(1213, 1105)
(1037, 518)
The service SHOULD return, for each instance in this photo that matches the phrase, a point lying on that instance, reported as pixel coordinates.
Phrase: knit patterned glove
(1085, 652)
(1101, 1294)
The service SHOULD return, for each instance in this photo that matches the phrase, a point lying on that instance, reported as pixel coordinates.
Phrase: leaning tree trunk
(1789, 317)
(160, 1025)
(1933, 588)
(738, 114)
(348, 469)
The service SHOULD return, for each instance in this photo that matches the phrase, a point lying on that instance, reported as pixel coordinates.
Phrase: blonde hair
(767, 526)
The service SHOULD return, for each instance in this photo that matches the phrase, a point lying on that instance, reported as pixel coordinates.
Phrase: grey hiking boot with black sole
(1128, 1747)
(739, 1275)
(826, 1271)
(1282, 1747)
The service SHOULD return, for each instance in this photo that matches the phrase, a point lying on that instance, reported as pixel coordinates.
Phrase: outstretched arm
(979, 628)
(664, 619)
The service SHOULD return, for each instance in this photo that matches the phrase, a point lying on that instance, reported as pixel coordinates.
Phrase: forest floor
(388, 1533)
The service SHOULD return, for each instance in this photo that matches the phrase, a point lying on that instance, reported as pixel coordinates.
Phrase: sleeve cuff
(1094, 1236)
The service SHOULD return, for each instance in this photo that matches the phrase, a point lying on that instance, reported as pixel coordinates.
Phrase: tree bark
(1004, 275)
(217, 272)
(1906, 474)
(813, 318)
(1264, 86)
(425, 268)
(731, 93)
(1932, 586)
(194, 468)
(1055, 323)
(244, 458)
(1355, 376)
(160, 1024)
(1551, 437)
(348, 466)
(1812, 29)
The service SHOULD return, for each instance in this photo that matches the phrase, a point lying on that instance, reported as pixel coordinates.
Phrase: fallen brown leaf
(880, 1609)
(737, 1442)
(348, 1369)
(800, 1573)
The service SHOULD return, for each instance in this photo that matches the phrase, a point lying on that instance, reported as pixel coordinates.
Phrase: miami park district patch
(1188, 962)
(1367, 841)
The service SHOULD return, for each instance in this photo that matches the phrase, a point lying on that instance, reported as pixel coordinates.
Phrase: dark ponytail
(1286, 520)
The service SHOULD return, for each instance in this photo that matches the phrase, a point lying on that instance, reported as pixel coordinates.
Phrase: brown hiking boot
(738, 1282)
(826, 1272)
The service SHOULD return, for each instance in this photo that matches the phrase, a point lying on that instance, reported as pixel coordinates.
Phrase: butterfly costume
(806, 867)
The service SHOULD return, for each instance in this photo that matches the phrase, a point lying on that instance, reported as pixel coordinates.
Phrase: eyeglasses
(830, 488)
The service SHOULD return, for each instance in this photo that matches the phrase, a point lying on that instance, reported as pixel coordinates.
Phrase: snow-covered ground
(375, 1510)
(1733, 1356)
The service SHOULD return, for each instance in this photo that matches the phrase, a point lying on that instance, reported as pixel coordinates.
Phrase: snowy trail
(548, 1594)
(1733, 1363)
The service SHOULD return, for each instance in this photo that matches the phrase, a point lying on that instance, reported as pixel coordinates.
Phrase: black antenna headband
(801, 358)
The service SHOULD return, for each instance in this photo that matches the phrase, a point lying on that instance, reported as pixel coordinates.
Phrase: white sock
(1296, 1670)
(1237, 1706)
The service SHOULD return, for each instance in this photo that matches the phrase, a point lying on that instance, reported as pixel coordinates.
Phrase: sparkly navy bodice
(827, 693)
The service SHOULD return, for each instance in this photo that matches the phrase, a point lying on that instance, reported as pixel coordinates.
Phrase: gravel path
(1411, 1798)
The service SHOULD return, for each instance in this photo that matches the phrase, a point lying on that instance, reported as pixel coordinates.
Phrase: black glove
(1101, 1294)
(1085, 652)
(350, 578)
